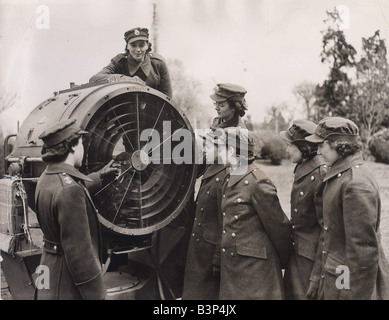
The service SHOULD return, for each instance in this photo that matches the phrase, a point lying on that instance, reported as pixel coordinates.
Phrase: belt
(52, 247)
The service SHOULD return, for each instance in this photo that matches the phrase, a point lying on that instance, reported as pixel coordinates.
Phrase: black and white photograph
(202, 151)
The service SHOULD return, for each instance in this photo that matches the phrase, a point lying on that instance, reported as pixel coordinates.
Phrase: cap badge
(136, 32)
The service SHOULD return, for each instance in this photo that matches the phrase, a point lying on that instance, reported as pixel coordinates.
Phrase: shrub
(379, 146)
(274, 148)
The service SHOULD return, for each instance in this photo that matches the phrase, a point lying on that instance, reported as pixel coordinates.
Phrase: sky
(266, 46)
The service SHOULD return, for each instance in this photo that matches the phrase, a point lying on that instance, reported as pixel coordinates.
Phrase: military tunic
(351, 236)
(255, 240)
(153, 71)
(72, 248)
(305, 223)
(200, 282)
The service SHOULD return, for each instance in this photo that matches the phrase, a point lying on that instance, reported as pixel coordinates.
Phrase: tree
(334, 96)
(305, 91)
(372, 89)
(185, 91)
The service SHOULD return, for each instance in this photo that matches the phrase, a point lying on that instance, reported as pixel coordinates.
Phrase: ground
(282, 177)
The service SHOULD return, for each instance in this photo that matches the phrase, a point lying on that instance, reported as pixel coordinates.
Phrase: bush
(379, 146)
(274, 148)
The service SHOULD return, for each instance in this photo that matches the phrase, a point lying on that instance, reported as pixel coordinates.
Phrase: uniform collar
(306, 167)
(235, 178)
(344, 164)
(213, 170)
(133, 66)
(55, 168)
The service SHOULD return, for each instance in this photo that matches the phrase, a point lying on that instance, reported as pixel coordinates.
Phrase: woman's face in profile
(138, 50)
(224, 110)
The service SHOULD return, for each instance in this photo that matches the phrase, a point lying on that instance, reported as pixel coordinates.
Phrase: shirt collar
(55, 168)
(133, 66)
(306, 167)
(344, 164)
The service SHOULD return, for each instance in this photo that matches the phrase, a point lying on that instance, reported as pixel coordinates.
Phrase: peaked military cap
(298, 131)
(223, 91)
(136, 34)
(60, 132)
(333, 128)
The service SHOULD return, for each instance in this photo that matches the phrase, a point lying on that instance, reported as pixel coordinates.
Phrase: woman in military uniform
(138, 63)
(68, 219)
(303, 270)
(230, 104)
(202, 276)
(353, 262)
(255, 234)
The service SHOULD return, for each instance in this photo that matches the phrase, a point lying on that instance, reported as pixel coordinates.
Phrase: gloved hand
(312, 290)
(121, 77)
(108, 172)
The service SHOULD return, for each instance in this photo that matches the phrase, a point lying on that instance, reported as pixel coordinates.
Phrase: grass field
(282, 177)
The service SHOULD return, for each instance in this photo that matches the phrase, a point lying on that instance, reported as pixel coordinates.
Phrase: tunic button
(246, 182)
(312, 178)
(339, 175)
(322, 276)
(195, 219)
(223, 250)
(207, 192)
(202, 209)
(224, 231)
(233, 235)
(217, 179)
(357, 166)
(236, 217)
(224, 195)
(228, 179)
(197, 240)
(325, 228)
(293, 226)
(193, 234)
(293, 243)
(199, 224)
(232, 254)
(323, 252)
(224, 214)
(239, 200)
(301, 194)
(295, 210)
(55, 248)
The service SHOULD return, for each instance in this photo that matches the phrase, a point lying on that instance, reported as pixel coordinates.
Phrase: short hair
(60, 151)
(240, 106)
(346, 148)
(308, 149)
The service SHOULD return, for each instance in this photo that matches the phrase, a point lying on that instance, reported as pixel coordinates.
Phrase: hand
(122, 77)
(312, 290)
(108, 171)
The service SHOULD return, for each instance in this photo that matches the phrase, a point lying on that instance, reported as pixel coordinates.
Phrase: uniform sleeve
(360, 209)
(276, 223)
(106, 72)
(95, 185)
(165, 85)
(77, 245)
